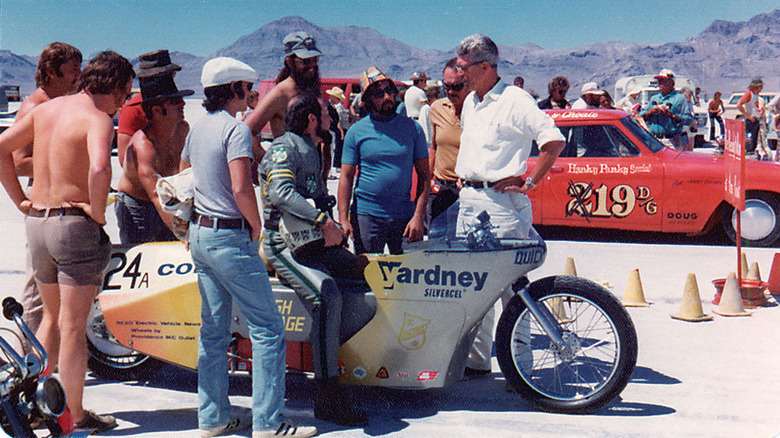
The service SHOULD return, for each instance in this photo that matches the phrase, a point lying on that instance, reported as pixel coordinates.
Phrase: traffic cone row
(691, 306)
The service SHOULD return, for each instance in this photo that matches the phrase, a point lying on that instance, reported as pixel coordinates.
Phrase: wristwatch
(530, 183)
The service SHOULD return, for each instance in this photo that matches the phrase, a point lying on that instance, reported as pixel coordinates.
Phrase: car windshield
(641, 133)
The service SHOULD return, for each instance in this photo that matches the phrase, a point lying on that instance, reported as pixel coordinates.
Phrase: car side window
(624, 146)
(591, 141)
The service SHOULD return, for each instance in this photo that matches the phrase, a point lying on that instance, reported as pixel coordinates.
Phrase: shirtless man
(71, 139)
(59, 66)
(300, 73)
(152, 152)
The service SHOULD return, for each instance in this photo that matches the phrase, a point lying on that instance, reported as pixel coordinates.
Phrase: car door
(602, 179)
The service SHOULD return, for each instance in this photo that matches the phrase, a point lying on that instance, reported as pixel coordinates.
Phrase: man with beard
(293, 187)
(386, 146)
(59, 66)
(152, 152)
(300, 73)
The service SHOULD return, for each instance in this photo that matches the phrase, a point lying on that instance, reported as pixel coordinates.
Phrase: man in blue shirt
(384, 147)
(668, 112)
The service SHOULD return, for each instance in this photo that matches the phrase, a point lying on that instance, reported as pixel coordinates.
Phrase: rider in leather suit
(290, 175)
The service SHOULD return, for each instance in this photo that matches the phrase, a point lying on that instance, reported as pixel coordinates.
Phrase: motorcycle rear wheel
(596, 327)
(110, 360)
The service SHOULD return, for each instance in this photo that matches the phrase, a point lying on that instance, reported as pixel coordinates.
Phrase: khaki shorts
(71, 250)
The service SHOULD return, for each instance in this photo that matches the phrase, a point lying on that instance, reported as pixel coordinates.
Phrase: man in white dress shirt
(499, 123)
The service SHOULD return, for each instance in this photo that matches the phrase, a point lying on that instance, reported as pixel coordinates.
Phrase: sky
(200, 27)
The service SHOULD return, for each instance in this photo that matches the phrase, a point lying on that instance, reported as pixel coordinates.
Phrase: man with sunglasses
(153, 152)
(300, 73)
(500, 124)
(445, 141)
(557, 89)
(385, 147)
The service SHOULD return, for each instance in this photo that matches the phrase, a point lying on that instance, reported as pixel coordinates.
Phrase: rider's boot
(334, 405)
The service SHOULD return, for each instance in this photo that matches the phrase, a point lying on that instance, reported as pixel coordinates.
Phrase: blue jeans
(229, 267)
(372, 233)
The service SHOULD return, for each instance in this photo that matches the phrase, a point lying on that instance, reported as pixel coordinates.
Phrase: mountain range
(725, 56)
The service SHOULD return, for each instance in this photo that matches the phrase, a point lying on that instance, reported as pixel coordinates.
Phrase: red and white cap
(665, 73)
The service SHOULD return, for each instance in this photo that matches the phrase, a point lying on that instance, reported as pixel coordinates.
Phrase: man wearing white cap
(590, 97)
(631, 103)
(224, 232)
(415, 97)
(668, 112)
(300, 73)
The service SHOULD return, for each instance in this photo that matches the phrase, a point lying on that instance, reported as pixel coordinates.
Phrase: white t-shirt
(413, 100)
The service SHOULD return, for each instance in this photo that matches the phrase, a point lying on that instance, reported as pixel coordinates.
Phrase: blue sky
(132, 27)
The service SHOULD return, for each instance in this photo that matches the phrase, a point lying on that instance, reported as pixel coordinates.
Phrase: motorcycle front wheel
(601, 346)
(108, 359)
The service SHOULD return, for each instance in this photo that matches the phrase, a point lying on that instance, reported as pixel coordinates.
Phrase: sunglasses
(390, 89)
(453, 87)
(308, 61)
(467, 66)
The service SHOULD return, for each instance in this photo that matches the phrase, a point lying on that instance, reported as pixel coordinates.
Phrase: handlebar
(11, 307)
(12, 310)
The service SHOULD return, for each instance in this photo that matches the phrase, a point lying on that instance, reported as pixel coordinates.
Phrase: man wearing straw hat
(338, 116)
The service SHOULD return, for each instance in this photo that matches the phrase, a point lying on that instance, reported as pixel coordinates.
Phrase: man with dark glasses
(557, 89)
(445, 141)
(385, 147)
(152, 152)
(500, 124)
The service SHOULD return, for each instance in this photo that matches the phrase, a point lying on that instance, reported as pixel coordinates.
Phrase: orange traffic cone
(570, 269)
(690, 309)
(753, 272)
(744, 263)
(731, 299)
(774, 275)
(635, 295)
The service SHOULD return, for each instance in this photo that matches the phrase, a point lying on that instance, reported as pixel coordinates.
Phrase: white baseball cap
(225, 70)
(591, 88)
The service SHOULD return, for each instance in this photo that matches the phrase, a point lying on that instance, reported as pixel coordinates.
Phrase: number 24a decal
(131, 270)
(619, 202)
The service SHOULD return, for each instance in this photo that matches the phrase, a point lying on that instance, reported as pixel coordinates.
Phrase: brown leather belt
(221, 224)
(56, 211)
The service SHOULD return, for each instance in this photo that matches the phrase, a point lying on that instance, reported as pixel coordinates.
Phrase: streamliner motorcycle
(564, 343)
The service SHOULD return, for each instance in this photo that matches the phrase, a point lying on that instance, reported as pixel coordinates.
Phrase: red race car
(614, 174)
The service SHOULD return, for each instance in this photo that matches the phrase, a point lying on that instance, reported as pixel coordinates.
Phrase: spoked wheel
(599, 354)
(109, 359)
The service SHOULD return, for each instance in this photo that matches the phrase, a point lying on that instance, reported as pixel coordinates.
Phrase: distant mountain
(725, 56)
